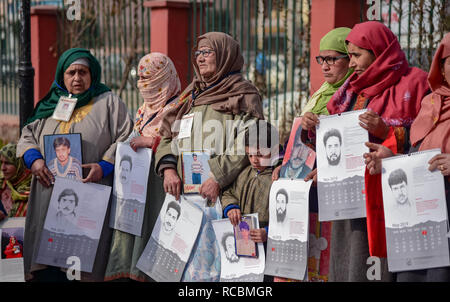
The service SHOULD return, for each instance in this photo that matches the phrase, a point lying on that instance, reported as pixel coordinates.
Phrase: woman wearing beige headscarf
(218, 95)
(159, 86)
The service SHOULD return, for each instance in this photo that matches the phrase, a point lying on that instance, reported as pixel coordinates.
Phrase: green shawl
(47, 105)
(333, 40)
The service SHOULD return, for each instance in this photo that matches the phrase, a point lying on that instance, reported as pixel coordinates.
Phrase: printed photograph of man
(125, 167)
(244, 245)
(401, 206)
(332, 141)
(197, 170)
(295, 167)
(64, 165)
(228, 246)
(171, 216)
(67, 205)
(281, 205)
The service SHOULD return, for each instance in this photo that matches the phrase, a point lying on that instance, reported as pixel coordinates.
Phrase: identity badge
(64, 108)
(186, 126)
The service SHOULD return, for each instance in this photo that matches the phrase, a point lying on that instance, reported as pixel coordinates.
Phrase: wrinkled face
(335, 72)
(125, 169)
(77, 78)
(333, 150)
(400, 192)
(206, 63)
(259, 159)
(360, 58)
(8, 169)
(170, 219)
(299, 155)
(62, 153)
(67, 204)
(446, 70)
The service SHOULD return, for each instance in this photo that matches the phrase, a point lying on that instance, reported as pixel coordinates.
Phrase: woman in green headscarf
(102, 119)
(334, 60)
(15, 180)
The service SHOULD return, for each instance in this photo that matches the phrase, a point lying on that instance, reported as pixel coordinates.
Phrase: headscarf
(333, 40)
(393, 88)
(48, 103)
(158, 85)
(227, 91)
(432, 125)
(20, 182)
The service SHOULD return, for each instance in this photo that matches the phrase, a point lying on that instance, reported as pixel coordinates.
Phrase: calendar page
(169, 247)
(340, 147)
(235, 268)
(130, 188)
(287, 244)
(73, 223)
(415, 212)
(11, 242)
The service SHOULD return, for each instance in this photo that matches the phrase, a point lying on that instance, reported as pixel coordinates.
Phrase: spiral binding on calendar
(411, 154)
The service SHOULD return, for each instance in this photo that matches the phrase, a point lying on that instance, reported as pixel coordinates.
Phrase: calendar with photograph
(11, 242)
(299, 159)
(73, 223)
(169, 247)
(129, 193)
(234, 268)
(415, 212)
(340, 147)
(287, 243)
(195, 170)
(63, 155)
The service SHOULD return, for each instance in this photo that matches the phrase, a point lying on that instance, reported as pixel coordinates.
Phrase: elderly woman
(218, 96)
(430, 130)
(159, 87)
(102, 119)
(15, 180)
(384, 84)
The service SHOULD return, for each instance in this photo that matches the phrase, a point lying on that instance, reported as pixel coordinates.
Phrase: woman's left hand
(258, 235)
(373, 123)
(142, 142)
(95, 172)
(440, 162)
(210, 189)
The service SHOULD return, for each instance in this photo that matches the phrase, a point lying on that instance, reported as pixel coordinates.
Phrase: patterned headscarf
(158, 84)
(20, 182)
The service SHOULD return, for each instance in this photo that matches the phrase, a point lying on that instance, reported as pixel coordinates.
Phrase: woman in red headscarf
(384, 84)
(13, 249)
(430, 130)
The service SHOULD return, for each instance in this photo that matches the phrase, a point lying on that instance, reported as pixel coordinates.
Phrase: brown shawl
(432, 124)
(227, 91)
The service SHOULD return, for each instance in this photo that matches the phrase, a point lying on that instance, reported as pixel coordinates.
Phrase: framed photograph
(195, 170)
(11, 253)
(244, 245)
(63, 155)
(299, 159)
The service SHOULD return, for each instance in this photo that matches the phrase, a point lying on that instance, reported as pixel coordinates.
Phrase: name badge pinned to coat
(64, 108)
(186, 126)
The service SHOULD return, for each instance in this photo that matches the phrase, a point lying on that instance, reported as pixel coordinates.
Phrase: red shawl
(394, 91)
(432, 125)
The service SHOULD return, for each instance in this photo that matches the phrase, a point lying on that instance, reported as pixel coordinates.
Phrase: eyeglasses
(329, 60)
(205, 53)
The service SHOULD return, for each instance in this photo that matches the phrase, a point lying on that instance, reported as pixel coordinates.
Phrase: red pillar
(43, 43)
(169, 33)
(326, 15)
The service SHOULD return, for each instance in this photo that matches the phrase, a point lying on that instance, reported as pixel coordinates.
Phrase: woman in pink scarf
(159, 86)
(384, 84)
(430, 129)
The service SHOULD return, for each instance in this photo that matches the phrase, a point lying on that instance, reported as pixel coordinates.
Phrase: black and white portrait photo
(282, 200)
(332, 141)
(228, 244)
(401, 204)
(171, 216)
(67, 207)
